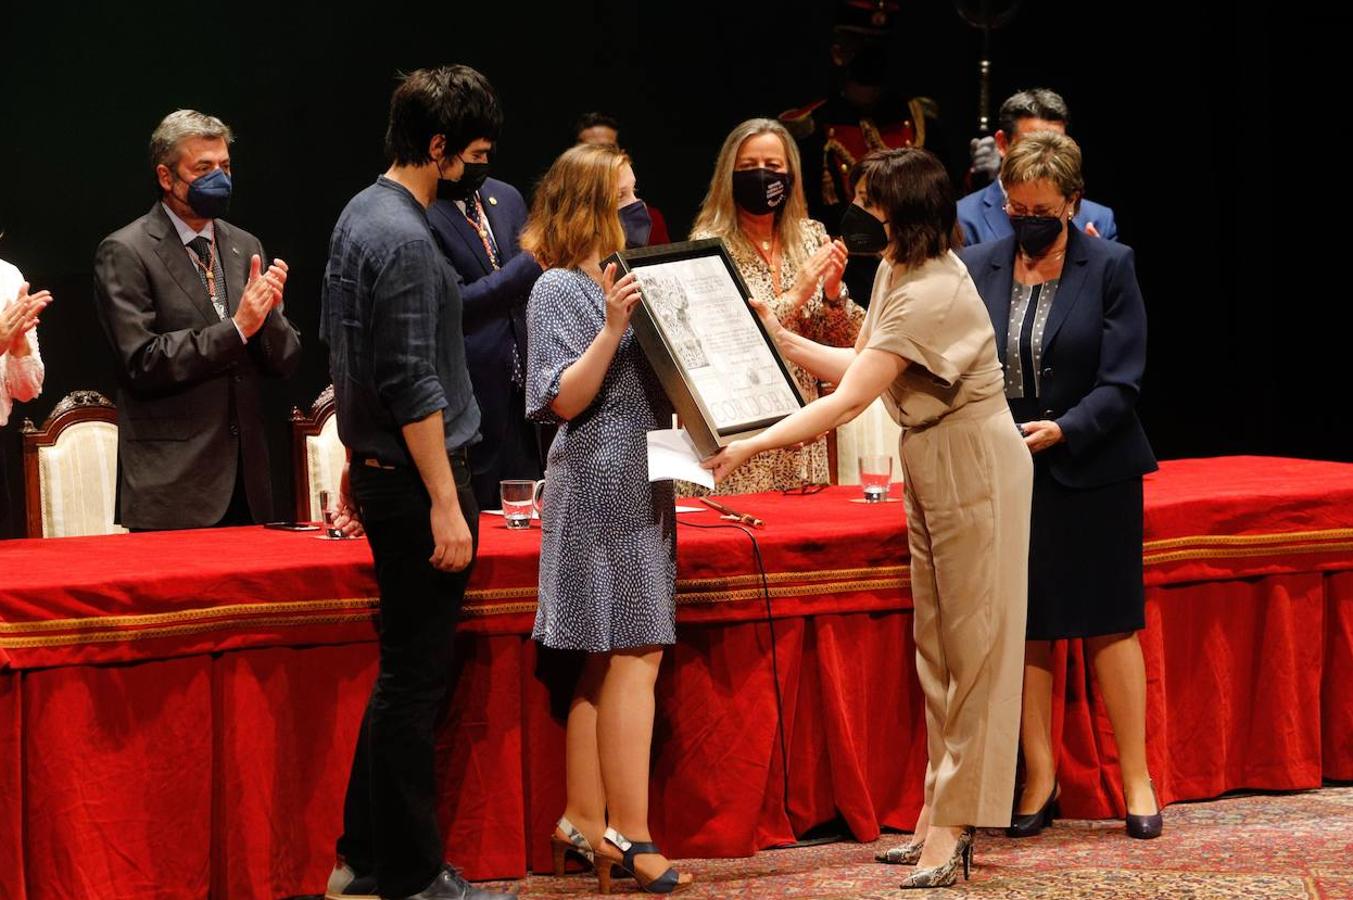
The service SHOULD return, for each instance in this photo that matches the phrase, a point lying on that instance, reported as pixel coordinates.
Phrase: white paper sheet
(672, 456)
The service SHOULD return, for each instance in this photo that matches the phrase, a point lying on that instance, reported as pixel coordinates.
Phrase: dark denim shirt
(390, 314)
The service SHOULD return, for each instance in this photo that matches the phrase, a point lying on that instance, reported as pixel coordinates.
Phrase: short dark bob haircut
(912, 189)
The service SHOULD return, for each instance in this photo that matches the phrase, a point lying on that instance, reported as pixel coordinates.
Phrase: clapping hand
(262, 294)
(835, 268)
(823, 264)
(21, 317)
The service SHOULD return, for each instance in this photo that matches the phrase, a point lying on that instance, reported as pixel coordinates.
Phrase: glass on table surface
(519, 502)
(876, 476)
(328, 506)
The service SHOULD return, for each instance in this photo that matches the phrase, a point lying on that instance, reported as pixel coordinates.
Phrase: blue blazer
(494, 301)
(1094, 354)
(982, 215)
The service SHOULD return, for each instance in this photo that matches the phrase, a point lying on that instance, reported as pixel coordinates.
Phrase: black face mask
(637, 223)
(471, 180)
(1035, 234)
(861, 232)
(761, 191)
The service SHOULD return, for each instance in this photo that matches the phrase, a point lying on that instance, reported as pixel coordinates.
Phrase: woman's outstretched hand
(728, 459)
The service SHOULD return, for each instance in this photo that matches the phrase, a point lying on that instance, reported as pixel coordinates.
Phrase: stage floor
(1248, 847)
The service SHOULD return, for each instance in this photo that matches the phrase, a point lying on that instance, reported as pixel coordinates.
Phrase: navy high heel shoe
(668, 882)
(1033, 823)
(1144, 828)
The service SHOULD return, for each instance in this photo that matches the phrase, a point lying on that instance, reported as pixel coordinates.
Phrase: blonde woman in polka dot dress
(608, 543)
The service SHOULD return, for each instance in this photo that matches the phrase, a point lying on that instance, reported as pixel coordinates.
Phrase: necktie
(213, 283)
(475, 215)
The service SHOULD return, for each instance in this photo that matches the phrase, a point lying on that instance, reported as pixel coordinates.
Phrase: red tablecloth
(135, 752)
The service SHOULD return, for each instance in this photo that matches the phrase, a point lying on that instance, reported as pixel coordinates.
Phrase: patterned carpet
(1254, 846)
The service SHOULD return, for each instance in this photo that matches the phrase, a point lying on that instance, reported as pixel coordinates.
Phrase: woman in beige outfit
(927, 345)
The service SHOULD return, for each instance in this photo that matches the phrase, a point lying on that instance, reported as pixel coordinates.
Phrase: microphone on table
(736, 516)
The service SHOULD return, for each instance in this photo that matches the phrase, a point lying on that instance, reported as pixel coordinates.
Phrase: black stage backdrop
(1173, 108)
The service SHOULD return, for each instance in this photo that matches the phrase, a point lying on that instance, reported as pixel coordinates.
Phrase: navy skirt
(1085, 559)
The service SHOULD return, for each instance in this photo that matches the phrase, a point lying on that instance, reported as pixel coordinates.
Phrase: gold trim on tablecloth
(691, 592)
(104, 637)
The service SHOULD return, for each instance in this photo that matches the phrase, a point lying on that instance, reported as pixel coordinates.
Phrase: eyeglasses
(1015, 209)
(803, 489)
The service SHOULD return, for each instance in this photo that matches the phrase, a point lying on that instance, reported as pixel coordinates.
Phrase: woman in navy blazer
(1071, 328)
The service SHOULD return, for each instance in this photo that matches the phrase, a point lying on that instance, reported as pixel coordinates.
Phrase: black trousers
(390, 812)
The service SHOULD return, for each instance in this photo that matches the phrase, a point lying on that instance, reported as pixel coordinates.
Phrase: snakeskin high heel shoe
(903, 855)
(946, 874)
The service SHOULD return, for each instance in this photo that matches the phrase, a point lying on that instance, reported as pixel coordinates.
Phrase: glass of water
(518, 502)
(328, 505)
(876, 475)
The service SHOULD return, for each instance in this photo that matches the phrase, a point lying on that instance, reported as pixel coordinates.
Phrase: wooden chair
(70, 468)
(317, 455)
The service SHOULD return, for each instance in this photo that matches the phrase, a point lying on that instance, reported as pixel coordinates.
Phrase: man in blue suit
(477, 220)
(982, 213)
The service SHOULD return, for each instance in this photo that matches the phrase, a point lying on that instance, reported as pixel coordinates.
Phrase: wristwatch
(842, 296)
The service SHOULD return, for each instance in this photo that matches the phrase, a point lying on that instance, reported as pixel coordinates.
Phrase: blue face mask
(638, 224)
(209, 196)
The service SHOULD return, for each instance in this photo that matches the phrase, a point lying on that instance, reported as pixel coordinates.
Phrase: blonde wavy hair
(1046, 156)
(575, 208)
(719, 213)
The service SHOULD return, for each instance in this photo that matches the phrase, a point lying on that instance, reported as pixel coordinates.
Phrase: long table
(178, 709)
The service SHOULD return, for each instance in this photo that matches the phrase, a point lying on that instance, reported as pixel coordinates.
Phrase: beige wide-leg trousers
(968, 486)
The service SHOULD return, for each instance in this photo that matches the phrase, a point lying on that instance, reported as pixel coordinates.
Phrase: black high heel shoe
(1144, 828)
(668, 882)
(945, 875)
(1033, 823)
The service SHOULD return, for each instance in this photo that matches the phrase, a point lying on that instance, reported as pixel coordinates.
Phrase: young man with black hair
(391, 317)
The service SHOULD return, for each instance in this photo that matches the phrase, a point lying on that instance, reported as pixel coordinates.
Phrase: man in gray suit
(195, 321)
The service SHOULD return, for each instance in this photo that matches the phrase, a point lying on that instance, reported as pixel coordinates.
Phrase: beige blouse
(933, 317)
(819, 320)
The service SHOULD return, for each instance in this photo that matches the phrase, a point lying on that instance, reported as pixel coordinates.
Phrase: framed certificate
(720, 368)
